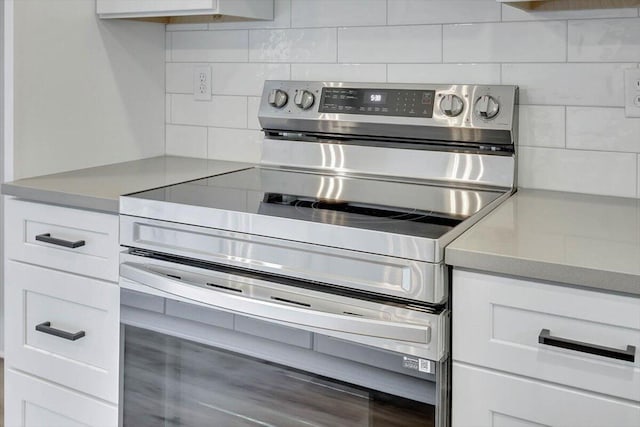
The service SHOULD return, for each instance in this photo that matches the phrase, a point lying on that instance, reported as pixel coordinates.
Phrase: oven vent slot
(303, 304)
(348, 313)
(226, 288)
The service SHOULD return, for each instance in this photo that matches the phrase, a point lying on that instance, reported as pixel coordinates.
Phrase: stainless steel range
(337, 235)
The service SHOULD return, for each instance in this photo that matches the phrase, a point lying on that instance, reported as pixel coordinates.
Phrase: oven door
(208, 347)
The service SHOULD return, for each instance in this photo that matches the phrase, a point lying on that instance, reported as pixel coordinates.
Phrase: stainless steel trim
(399, 277)
(257, 306)
(441, 166)
(466, 127)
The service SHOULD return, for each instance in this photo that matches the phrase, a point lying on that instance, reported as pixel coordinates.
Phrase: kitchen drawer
(498, 321)
(97, 257)
(71, 303)
(485, 398)
(31, 402)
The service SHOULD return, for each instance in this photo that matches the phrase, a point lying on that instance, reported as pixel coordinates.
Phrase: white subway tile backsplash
(510, 13)
(593, 172)
(240, 78)
(505, 42)
(541, 126)
(221, 111)
(179, 77)
(187, 27)
(605, 129)
(573, 135)
(411, 44)
(604, 40)
(188, 141)
(167, 47)
(281, 19)
(403, 12)
(253, 106)
(444, 73)
(340, 72)
(209, 46)
(241, 145)
(568, 84)
(338, 13)
(299, 45)
(245, 79)
(167, 108)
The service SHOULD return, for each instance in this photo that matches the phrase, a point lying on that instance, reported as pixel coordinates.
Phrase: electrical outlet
(202, 83)
(632, 92)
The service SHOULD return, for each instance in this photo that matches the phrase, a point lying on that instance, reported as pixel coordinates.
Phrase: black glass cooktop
(381, 205)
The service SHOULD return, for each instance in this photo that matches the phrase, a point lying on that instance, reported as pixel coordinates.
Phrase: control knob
(304, 99)
(278, 98)
(487, 107)
(451, 105)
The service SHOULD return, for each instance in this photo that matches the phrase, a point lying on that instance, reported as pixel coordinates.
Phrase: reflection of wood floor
(175, 383)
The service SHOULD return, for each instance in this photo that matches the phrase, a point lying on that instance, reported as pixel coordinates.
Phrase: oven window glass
(174, 382)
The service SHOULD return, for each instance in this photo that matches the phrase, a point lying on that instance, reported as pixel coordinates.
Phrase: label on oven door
(418, 364)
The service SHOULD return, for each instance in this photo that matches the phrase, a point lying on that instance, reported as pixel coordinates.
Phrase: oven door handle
(280, 312)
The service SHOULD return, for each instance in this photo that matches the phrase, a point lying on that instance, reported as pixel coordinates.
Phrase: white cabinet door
(43, 304)
(487, 398)
(44, 235)
(30, 402)
(498, 320)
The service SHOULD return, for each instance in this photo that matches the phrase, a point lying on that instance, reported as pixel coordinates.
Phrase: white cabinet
(45, 235)
(32, 402)
(178, 10)
(496, 399)
(551, 5)
(62, 305)
(578, 345)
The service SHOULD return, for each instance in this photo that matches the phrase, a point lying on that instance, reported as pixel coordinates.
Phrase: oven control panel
(424, 111)
(383, 102)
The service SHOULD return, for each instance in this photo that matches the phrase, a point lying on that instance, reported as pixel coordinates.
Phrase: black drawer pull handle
(46, 237)
(47, 329)
(628, 355)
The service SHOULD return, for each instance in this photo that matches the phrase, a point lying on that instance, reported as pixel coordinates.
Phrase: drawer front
(368, 272)
(97, 256)
(485, 398)
(498, 322)
(36, 403)
(42, 302)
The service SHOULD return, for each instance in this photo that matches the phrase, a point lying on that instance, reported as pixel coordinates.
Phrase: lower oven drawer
(419, 331)
(65, 328)
(486, 398)
(31, 402)
(548, 332)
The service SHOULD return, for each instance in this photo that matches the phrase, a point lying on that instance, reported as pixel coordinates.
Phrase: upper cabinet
(176, 11)
(549, 5)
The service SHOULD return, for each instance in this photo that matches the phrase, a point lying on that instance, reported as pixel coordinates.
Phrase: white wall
(573, 137)
(87, 92)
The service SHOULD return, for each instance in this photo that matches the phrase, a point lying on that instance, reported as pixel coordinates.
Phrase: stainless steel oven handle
(419, 334)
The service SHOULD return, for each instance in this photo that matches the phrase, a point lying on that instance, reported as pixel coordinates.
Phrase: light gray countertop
(99, 188)
(583, 240)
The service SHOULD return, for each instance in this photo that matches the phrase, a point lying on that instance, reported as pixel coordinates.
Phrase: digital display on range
(381, 102)
(375, 97)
